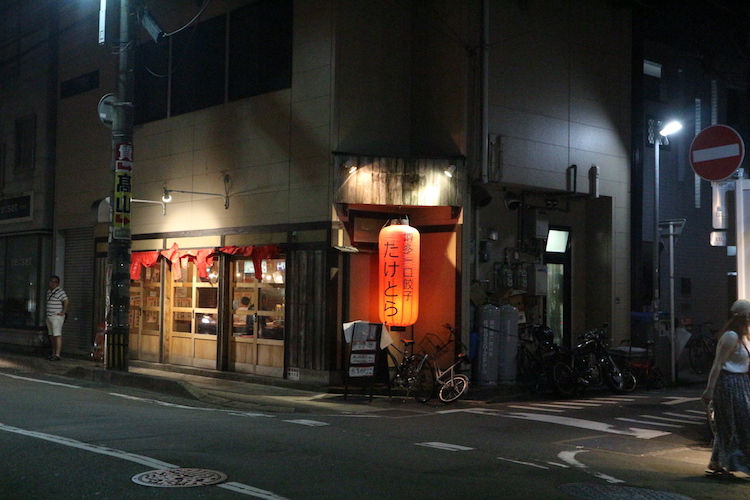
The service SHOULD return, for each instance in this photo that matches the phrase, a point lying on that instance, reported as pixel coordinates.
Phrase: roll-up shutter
(78, 283)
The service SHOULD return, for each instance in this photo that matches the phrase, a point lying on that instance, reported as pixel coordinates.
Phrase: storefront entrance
(177, 317)
(258, 307)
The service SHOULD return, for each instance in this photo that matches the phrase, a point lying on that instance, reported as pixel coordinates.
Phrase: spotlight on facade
(151, 26)
(511, 201)
(450, 171)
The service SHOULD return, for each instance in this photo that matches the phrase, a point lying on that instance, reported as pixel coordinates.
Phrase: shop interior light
(450, 171)
(167, 196)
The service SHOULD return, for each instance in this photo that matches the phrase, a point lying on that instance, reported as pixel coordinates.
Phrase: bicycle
(702, 349)
(452, 385)
(413, 374)
(537, 354)
(640, 362)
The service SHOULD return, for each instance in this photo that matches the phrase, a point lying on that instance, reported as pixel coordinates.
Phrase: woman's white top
(738, 360)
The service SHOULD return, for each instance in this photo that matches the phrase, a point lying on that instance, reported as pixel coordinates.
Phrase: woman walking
(729, 388)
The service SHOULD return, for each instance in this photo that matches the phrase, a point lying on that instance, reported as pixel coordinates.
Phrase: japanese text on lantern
(399, 279)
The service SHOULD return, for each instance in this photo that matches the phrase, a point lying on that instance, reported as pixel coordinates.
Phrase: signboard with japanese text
(122, 191)
(364, 360)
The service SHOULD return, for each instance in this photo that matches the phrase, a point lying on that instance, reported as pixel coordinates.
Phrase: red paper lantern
(398, 245)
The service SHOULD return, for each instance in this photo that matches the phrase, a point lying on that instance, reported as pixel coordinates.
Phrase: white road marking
(570, 458)
(666, 419)
(613, 400)
(444, 446)
(160, 403)
(28, 379)
(133, 457)
(249, 490)
(588, 424)
(699, 417)
(676, 400)
(520, 407)
(480, 411)
(523, 463)
(636, 421)
(697, 411)
(565, 406)
(309, 423)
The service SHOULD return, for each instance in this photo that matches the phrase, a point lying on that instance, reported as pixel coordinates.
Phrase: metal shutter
(78, 283)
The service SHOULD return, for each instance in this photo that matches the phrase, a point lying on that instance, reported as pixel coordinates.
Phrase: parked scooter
(589, 364)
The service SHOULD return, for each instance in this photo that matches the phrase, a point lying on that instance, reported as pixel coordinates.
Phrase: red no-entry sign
(716, 152)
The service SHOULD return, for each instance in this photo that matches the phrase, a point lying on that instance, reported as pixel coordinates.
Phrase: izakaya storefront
(218, 308)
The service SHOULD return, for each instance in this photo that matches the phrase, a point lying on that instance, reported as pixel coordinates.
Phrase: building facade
(288, 133)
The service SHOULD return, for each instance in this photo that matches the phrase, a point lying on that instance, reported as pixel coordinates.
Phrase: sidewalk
(248, 392)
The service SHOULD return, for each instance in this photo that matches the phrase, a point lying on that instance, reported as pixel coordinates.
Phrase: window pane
(25, 145)
(22, 282)
(260, 48)
(151, 82)
(198, 68)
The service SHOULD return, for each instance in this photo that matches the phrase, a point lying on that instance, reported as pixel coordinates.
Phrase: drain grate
(179, 478)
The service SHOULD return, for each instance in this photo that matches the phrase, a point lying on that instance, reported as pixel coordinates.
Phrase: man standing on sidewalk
(57, 307)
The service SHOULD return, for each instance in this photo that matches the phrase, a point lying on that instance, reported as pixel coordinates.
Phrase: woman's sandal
(719, 474)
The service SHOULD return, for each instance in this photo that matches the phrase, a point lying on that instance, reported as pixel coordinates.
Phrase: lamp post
(668, 129)
(118, 252)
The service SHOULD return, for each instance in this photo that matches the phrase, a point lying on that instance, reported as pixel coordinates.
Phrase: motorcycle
(589, 364)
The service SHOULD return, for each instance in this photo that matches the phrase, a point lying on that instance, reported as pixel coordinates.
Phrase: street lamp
(668, 129)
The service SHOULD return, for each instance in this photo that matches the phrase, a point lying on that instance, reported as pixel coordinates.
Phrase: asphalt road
(67, 439)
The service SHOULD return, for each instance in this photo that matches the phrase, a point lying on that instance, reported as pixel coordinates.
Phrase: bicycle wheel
(563, 380)
(616, 379)
(421, 378)
(629, 382)
(454, 388)
(528, 370)
(700, 356)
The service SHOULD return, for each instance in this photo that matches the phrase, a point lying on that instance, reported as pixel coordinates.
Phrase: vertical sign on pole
(122, 191)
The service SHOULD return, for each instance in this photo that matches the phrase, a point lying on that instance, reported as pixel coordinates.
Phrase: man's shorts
(54, 325)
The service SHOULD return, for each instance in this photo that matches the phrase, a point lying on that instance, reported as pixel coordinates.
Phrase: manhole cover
(179, 478)
(591, 491)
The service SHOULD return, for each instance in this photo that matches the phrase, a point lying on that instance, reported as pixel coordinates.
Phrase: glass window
(21, 282)
(258, 306)
(25, 145)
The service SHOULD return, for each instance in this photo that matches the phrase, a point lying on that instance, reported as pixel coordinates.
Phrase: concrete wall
(559, 94)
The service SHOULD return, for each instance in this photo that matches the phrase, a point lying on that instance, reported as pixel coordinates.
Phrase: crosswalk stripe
(693, 422)
(444, 446)
(520, 407)
(698, 417)
(310, 423)
(661, 424)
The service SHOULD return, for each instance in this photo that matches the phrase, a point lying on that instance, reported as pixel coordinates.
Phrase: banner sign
(122, 191)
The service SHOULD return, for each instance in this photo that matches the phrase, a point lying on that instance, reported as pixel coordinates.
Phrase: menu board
(364, 341)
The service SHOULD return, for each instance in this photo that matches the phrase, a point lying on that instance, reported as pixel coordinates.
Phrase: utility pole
(118, 252)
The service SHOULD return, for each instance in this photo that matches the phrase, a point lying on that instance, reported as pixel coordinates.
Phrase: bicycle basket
(433, 345)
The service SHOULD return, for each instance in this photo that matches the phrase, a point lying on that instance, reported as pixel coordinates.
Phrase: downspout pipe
(485, 65)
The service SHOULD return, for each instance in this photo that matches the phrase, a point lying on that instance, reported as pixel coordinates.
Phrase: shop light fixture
(450, 171)
(162, 203)
(151, 26)
(349, 166)
(167, 196)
